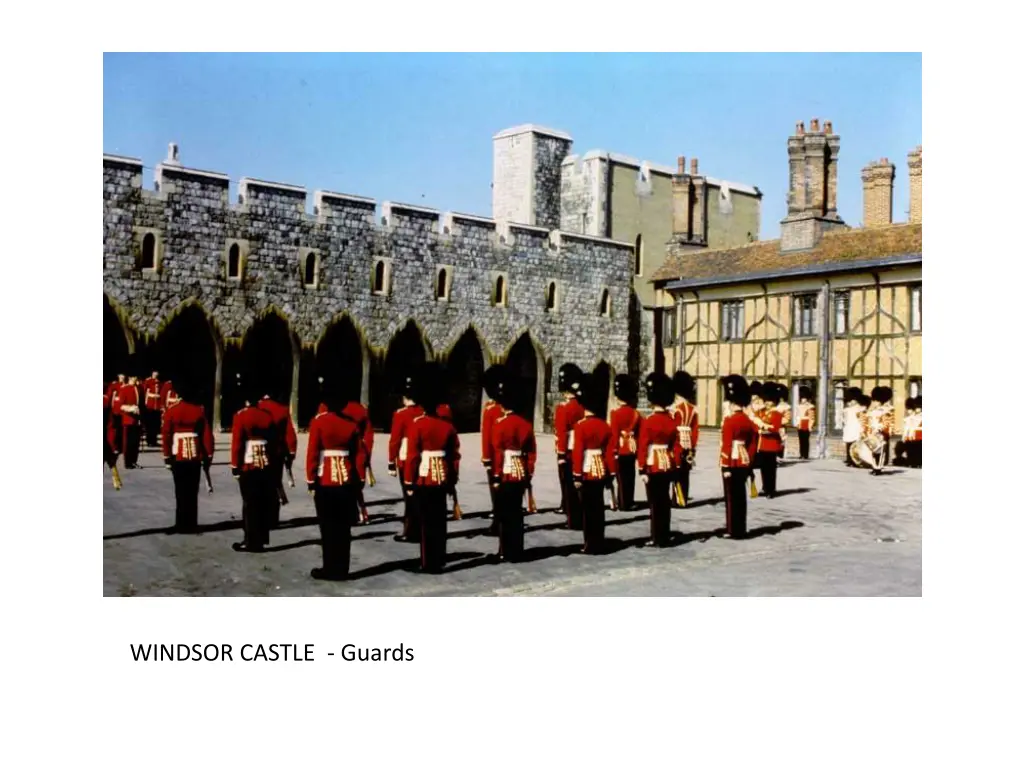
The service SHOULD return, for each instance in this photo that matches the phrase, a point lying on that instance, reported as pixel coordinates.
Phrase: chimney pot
(800, 128)
(828, 127)
(682, 165)
(693, 167)
(814, 125)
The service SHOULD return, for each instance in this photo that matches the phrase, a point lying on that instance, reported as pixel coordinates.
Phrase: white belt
(509, 465)
(339, 474)
(739, 452)
(179, 437)
(684, 438)
(652, 449)
(403, 450)
(572, 435)
(329, 454)
(250, 452)
(425, 460)
(590, 456)
(129, 409)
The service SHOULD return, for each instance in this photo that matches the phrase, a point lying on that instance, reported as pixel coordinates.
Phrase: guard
(151, 410)
(254, 442)
(851, 420)
(886, 416)
(282, 416)
(129, 402)
(492, 411)
(593, 464)
(687, 422)
(567, 414)
(625, 423)
(805, 422)
(739, 442)
(431, 469)
(513, 454)
(109, 457)
(187, 442)
(769, 446)
(360, 415)
(336, 462)
(659, 449)
(398, 449)
(115, 428)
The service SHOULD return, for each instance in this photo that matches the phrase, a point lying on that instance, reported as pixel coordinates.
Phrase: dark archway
(230, 399)
(186, 344)
(309, 387)
(465, 370)
(522, 363)
(602, 380)
(406, 352)
(268, 348)
(115, 344)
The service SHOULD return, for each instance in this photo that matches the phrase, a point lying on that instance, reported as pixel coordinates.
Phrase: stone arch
(525, 359)
(464, 367)
(602, 379)
(407, 350)
(271, 346)
(118, 340)
(188, 340)
(342, 344)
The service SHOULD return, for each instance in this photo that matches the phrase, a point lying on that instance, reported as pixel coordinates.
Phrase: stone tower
(528, 175)
(813, 181)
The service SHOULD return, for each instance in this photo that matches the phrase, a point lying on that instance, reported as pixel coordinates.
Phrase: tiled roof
(855, 248)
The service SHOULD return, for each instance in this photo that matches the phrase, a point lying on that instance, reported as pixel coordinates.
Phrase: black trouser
(151, 419)
(257, 487)
(805, 443)
(849, 454)
(411, 519)
(627, 482)
(509, 515)
(186, 494)
(659, 488)
(432, 515)
(914, 453)
(885, 452)
(336, 512)
(735, 487)
(494, 529)
(274, 502)
(117, 429)
(769, 464)
(131, 444)
(570, 497)
(683, 477)
(592, 497)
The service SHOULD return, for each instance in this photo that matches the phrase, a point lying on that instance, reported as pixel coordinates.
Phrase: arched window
(606, 304)
(442, 284)
(309, 276)
(638, 256)
(149, 251)
(500, 294)
(551, 296)
(378, 277)
(234, 262)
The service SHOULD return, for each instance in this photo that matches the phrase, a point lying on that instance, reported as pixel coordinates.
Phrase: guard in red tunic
(282, 416)
(594, 463)
(739, 443)
(187, 442)
(336, 461)
(625, 423)
(151, 408)
(513, 454)
(115, 428)
(567, 413)
(687, 423)
(769, 446)
(130, 404)
(359, 414)
(886, 417)
(109, 457)
(805, 421)
(783, 407)
(254, 445)
(431, 469)
(659, 451)
(492, 410)
(398, 450)
(168, 396)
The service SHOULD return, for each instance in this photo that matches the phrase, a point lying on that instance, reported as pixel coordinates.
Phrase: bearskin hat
(659, 389)
(625, 388)
(876, 394)
(851, 395)
(737, 391)
(186, 386)
(684, 385)
(770, 392)
(884, 395)
(864, 400)
(782, 392)
(917, 402)
(755, 388)
(589, 393)
(506, 389)
(569, 376)
(805, 393)
(249, 381)
(492, 379)
(429, 386)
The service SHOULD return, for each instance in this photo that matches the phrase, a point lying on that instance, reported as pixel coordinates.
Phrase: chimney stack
(914, 164)
(688, 205)
(812, 202)
(172, 155)
(681, 170)
(878, 178)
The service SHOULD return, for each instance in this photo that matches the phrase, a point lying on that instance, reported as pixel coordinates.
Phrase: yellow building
(824, 306)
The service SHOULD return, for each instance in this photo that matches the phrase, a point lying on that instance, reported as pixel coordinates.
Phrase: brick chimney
(914, 163)
(878, 178)
(812, 204)
(689, 201)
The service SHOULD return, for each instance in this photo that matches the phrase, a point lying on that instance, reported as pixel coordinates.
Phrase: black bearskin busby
(589, 393)
(492, 379)
(917, 402)
(755, 388)
(851, 395)
(659, 390)
(506, 390)
(684, 385)
(408, 385)
(805, 393)
(770, 392)
(429, 387)
(882, 395)
(625, 388)
(332, 386)
(782, 393)
(737, 391)
(864, 400)
(569, 377)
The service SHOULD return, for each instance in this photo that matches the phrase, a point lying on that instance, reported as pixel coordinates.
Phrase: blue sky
(417, 128)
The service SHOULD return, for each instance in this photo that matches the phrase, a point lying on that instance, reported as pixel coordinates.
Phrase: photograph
(568, 325)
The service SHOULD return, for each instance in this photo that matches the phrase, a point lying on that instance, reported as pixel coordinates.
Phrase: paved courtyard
(833, 531)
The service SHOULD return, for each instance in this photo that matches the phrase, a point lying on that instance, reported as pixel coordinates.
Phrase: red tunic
(335, 454)
(492, 412)
(805, 417)
(625, 424)
(444, 411)
(111, 390)
(186, 433)
(687, 423)
(151, 393)
(739, 440)
(128, 404)
(167, 394)
(658, 445)
(566, 417)
(771, 437)
(283, 421)
(398, 445)
(254, 440)
(358, 413)
(513, 448)
(433, 452)
(594, 453)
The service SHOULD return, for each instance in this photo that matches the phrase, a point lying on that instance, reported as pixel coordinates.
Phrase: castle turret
(527, 180)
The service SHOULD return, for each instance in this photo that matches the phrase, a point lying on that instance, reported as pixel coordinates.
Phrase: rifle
(209, 482)
(680, 496)
(456, 510)
(753, 486)
(116, 476)
(531, 503)
(611, 487)
(369, 476)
